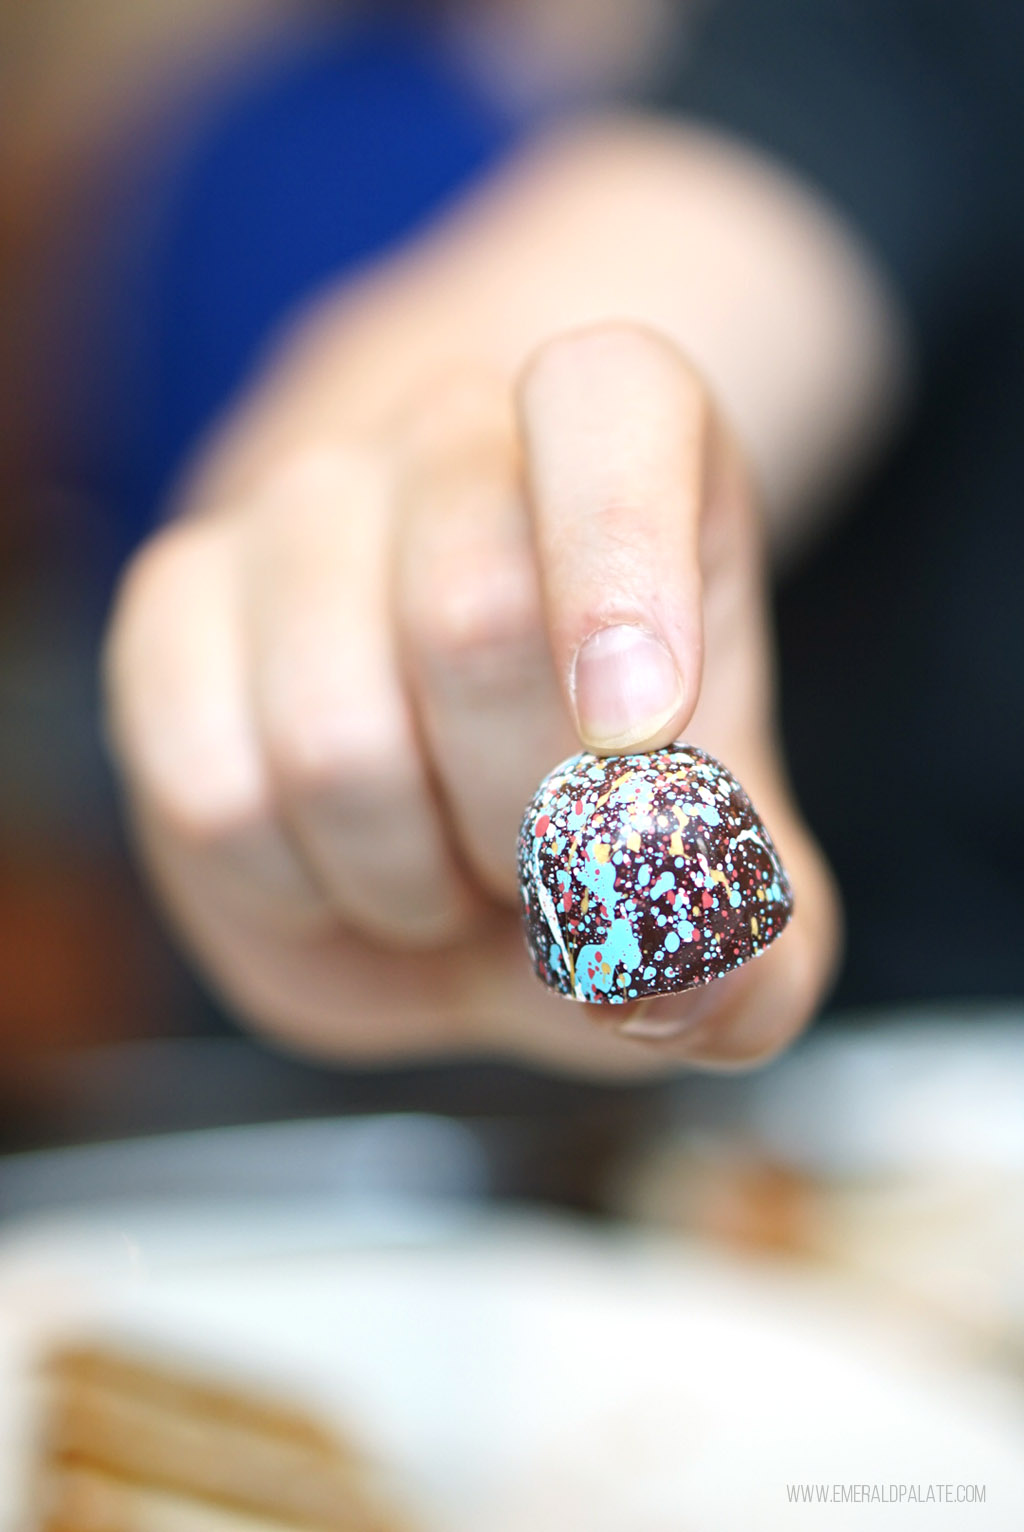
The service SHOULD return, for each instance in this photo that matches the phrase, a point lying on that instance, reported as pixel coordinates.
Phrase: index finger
(615, 427)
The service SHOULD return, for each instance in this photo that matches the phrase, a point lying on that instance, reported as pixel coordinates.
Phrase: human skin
(367, 628)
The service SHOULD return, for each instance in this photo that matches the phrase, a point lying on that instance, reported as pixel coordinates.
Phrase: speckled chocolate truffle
(646, 875)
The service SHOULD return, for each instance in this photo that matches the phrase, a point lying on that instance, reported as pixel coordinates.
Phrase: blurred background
(143, 264)
(128, 212)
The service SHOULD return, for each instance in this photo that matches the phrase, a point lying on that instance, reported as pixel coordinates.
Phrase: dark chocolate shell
(646, 875)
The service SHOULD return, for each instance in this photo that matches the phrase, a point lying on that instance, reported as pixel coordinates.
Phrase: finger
(615, 428)
(751, 1014)
(472, 625)
(178, 718)
(748, 1015)
(337, 731)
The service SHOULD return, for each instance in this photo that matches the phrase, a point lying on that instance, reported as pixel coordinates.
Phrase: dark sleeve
(896, 110)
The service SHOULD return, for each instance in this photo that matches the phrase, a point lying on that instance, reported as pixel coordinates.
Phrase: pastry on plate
(140, 1445)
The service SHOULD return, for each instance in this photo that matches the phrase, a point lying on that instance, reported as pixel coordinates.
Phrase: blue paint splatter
(619, 950)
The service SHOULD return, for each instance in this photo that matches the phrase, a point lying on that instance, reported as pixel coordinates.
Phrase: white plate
(528, 1375)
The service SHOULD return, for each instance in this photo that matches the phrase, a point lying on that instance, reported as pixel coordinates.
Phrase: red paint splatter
(705, 899)
(542, 824)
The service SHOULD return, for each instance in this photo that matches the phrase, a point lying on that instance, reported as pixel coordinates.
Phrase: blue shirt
(304, 166)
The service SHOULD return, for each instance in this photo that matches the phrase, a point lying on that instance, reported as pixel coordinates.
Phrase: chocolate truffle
(646, 875)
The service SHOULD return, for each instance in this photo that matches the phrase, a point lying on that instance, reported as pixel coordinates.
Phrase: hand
(338, 675)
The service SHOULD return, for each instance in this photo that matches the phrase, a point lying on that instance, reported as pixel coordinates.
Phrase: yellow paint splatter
(614, 786)
(602, 851)
(585, 901)
(753, 924)
(633, 841)
(675, 845)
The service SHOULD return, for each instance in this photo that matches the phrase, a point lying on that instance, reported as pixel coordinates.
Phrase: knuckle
(204, 809)
(146, 592)
(478, 616)
(170, 714)
(348, 750)
(622, 526)
(143, 639)
(198, 781)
